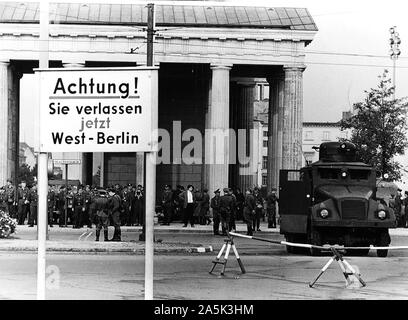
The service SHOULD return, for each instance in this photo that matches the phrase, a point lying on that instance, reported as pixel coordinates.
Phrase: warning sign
(97, 109)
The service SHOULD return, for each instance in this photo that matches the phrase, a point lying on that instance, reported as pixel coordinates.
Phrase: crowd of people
(80, 206)
(195, 206)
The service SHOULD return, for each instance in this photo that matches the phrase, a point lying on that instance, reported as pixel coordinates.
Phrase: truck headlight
(324, 213)
(382, 214)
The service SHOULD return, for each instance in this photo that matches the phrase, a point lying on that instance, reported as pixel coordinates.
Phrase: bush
(7, 225)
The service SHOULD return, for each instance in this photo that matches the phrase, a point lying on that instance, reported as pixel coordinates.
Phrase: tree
(27, 173)
(379, 128)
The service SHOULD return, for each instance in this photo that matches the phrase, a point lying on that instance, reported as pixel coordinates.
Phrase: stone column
(275, 128)
(218, 118)
(292, 118)
(79, 171)
(4, 120)
(246, 121)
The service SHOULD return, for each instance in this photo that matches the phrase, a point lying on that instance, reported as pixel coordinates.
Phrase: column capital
(73, 64)
(5, 63)
(296, 68)
(220, 66)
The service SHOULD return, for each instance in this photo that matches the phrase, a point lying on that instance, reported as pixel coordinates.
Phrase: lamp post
(395, 41)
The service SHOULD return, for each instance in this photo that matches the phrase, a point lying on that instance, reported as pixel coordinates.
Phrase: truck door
(293, 201)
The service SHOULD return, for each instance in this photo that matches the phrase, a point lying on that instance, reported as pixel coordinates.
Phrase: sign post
(103, 110)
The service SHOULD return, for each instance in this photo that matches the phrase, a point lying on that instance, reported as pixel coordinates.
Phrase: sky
(332, 81)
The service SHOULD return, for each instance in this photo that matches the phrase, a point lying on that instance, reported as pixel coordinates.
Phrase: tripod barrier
(350, 273)
(86, 234)
(229, 243)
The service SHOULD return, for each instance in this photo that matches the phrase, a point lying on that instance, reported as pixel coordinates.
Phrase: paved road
(275, 275)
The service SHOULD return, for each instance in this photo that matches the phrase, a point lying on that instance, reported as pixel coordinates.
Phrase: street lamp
(395, 41)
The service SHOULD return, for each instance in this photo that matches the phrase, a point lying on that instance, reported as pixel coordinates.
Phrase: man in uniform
(101, 204)
(226, 207)
(79, 208)
(137, 216)
(189, 201)
(69, 198)
(249, 210)
(10, 191)
(233, 216)
(115, 206)
(23, 203)
(87, 216)
(258, 210)
(33, 200)
(215, 205)
(127, 202)
(271, 201)
(61, 205)
(50, 206)
(398, 207)
(167, 204)
(3, 200)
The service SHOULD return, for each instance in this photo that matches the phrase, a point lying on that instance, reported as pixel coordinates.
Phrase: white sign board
(67, 161)
(97, 109)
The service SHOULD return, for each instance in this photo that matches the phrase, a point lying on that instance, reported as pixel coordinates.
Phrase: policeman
(10, 191)
(258, 209)
(23, 203)
(3, 200)
(215, 205)
(271, 202)
(249, 210)
(51, 205)
(87, 218)
(33, 200)
(167, 204)
(115, 207)
(79, 208)
(101, 205)
(226, 207)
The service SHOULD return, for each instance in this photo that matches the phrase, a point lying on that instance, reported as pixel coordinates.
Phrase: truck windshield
(335, 174)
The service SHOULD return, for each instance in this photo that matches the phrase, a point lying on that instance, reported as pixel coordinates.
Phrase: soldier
(258, 209)
(271, 202)
(127, 202)
(249, 210)
(226, 207)
(79, 208)
(3, 200)
(137, 207)
(167, 204)
(233, 216)
(101, 203)
(115, 206)
(398, 207)
(215, 205)
(69, 202)
(240, 203)
(87, 217)
(61, 205)
(10, 191)
(33, 200)
(51, 206)
(23, 203)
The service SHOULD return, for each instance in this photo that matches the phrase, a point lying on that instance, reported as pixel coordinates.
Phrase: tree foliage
(379, 128)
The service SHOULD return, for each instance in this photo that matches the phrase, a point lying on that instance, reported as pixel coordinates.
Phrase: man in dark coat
(33, 201)
(10, 192)
(271, 202)
(115, 207)
(50, 206)
(167, 204)
(215, 205)
(23, 203)
(226, 207)
(398, 207)
(101, 205)
(240, 203)
(137, 207)
(405, 215)
(258, 210)
(249, 210)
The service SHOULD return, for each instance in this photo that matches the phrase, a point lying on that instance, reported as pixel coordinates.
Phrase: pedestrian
(226, 204)
(167, 204)
(33, 201)
(258, 210)
(23, 203)
(101, 214)
(271, 202)
(189, 201)
(249, 210)
(215, 206)
(115, 207)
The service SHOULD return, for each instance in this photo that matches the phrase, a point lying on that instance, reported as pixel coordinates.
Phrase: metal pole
(150, 180)
(42, 164)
